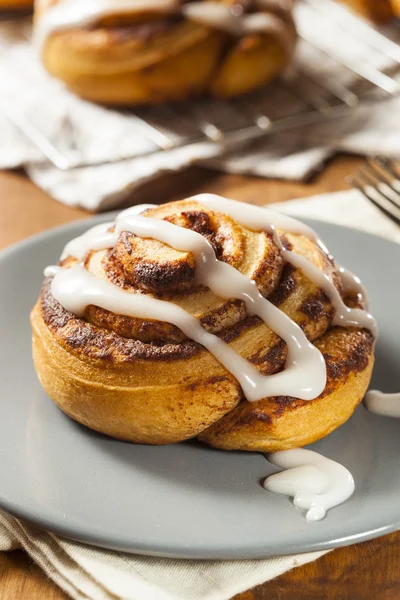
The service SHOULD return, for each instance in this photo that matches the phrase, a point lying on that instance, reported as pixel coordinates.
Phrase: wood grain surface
(368, 571)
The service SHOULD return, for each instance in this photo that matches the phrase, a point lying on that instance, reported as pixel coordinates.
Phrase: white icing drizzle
(262, 219)
(344, 316)
(95, 238)
(71, 14)
(249, 216)
(51, 270)
(352, 284)
(315, 482)
(384, 404)
(76, 288)
(99, 237)
(222, 16)
(304, 375)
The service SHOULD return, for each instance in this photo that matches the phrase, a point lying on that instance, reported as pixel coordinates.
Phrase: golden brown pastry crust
(145, 382)
(114, 64)
(282, 422)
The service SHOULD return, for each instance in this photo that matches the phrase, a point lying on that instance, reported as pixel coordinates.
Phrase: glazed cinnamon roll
(204, 317)
(129, 52)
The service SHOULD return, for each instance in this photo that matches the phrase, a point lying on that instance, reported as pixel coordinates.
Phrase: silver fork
(379, 181)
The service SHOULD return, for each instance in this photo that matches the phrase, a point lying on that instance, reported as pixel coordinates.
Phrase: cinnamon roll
(204, 317)
(129, 52)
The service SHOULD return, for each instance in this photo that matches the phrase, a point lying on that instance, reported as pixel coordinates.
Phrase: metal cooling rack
(321, 99)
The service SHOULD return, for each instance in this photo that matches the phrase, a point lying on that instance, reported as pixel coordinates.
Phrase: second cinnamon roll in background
(135, 52)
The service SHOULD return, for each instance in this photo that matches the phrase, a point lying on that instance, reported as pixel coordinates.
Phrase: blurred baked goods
(156, 328)
(379, 11)
(15, 4)
(395, 7)
(129, 52)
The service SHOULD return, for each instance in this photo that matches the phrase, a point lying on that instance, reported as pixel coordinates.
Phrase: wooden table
(368, 571)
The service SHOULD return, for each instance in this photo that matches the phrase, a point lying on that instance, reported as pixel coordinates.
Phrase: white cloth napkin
(92, 133)
(86, 573)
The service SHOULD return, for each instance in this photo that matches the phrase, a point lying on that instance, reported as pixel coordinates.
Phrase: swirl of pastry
(192, 320)
(127, 52)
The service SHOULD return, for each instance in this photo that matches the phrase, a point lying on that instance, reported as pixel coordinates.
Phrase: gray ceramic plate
(185, 500)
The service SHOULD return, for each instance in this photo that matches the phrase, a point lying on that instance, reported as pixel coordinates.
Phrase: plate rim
(163, 551)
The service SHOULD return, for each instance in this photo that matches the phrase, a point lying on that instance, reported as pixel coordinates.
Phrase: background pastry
(15, 4)
(380, 11)
(144, 380)
(395, 4)
(135, 52)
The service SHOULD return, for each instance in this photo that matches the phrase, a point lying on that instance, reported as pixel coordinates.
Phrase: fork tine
(368, 180)
(381, 183)
(377, 199)
(387, 172)
(387, 165)
(380, 171)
